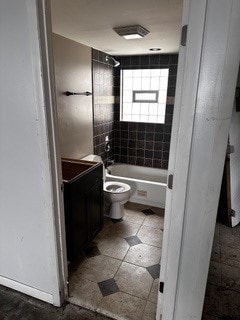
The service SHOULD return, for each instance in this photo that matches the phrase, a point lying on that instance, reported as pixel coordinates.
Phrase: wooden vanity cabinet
(83, 202)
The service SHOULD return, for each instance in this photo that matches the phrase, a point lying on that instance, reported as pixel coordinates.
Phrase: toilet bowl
(116, 193)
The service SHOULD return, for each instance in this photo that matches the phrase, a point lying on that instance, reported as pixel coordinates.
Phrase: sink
(72, 168)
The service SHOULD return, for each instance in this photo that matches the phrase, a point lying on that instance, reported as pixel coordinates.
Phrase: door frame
(45, 31)
(201, 124)
(180, 150)
(177, 241)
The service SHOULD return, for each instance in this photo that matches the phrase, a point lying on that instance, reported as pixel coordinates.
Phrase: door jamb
(180, 150)
(45, 30)
(185, 273)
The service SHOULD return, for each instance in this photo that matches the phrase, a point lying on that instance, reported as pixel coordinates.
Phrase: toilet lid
(116, 187)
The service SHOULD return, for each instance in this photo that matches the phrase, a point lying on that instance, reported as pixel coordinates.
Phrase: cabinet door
(95, 209)
(79, 223)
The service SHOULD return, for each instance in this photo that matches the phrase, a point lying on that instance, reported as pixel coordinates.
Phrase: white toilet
(116, 193)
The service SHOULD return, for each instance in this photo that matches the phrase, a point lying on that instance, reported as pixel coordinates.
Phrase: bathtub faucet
(109, 162)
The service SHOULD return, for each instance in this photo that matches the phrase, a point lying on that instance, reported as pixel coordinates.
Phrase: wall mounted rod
(69, 93)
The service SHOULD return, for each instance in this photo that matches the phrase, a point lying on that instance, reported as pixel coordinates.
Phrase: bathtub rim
(107, 174)
(137, 180)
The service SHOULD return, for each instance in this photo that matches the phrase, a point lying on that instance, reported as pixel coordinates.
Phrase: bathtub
(148, 184)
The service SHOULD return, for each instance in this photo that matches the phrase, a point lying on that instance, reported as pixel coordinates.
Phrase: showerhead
(115, 62)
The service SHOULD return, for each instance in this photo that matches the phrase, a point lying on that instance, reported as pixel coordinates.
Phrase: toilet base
(116, 211)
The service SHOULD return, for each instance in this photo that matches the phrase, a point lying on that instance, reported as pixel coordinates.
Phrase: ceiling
(91, 22)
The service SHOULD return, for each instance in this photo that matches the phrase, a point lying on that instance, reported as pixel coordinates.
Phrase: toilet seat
(115, 187)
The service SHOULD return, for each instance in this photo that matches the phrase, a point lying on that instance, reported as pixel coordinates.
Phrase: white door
(203, 106)
(234, 141)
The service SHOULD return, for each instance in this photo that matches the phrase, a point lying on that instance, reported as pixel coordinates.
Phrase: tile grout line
(151, 289)
(144, 310)
(125, 253)
(141, 266)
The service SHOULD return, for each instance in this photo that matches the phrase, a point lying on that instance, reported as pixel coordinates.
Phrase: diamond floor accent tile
(108, 287)
(133, 240)
(92, 252)
(154, 271)
(148, 212)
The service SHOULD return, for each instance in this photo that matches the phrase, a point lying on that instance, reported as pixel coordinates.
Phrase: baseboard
(30, 291)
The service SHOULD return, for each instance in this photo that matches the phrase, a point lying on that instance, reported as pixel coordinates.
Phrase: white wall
(73, 72)
(27, 235)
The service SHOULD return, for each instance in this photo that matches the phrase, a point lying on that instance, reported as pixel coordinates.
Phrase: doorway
(117, 272)
(198, 42)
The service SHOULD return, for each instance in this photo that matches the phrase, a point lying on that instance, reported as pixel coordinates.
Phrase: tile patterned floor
(118, 274)
(222, 300)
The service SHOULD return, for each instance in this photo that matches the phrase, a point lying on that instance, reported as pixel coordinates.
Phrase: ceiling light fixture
(155, 49)
(131, 32)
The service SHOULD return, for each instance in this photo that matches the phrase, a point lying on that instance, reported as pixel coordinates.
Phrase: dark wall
(145, 144)
(103, 104)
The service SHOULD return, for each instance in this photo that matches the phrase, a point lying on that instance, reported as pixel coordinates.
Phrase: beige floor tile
(143, 255)
(123, 229)
(112, 246)
(134, 216)
(154, 221)
(99, 268)
(231, 277)
(230, 256)
(151, 236)
(215, 273)
(134, 280)
(150, 311)
(154, 291)
(122, 306)
(84, 293)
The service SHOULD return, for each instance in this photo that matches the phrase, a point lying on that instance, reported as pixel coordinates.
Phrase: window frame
(145, 91)
(121, 91)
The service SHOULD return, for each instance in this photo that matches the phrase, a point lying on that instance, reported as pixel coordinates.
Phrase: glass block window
(144, 95)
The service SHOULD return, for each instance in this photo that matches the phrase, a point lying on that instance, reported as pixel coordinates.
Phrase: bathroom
(117, 273)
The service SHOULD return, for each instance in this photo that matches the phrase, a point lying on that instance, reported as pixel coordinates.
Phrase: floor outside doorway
(119, 272)
(222, 300)
(17, 306)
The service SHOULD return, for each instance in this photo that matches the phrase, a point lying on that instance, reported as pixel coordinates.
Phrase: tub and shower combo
(148, 185)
